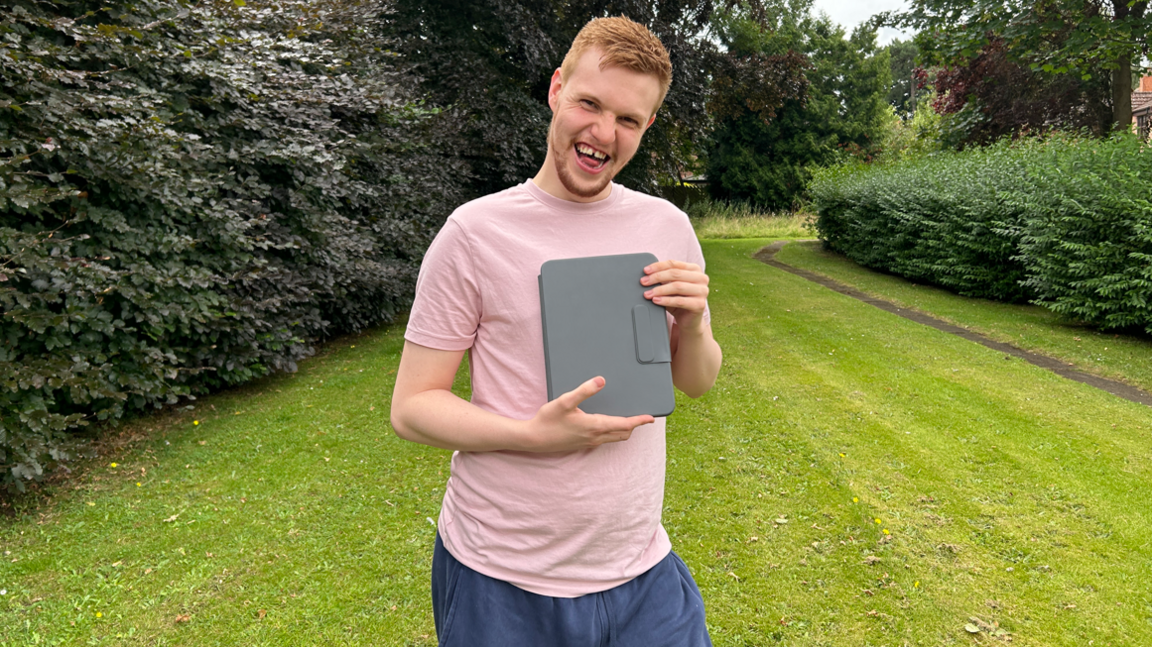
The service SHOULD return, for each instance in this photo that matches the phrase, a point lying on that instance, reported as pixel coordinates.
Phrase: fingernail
(648, 293)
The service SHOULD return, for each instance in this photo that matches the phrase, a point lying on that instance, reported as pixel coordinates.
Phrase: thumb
(573, 398)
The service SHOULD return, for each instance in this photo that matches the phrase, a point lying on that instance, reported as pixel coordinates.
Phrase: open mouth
(590, 159)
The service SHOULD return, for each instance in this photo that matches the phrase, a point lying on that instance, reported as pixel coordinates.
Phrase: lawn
(1124, 357)
(853, 479)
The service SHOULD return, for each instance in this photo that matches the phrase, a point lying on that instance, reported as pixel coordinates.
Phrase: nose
(604, 128)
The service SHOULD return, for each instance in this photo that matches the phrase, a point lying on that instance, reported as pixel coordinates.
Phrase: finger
(676, 274)
(678, 289)
(692, 304)
(636, 421)
(573, 398)
(607, 425)
(663, 265)
(631, 424)
(614, 437)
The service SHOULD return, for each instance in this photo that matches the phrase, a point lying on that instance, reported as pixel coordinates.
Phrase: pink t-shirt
(560, 524)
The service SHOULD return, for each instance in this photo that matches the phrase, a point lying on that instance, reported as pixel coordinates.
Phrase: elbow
(398, 427)
(699, 390)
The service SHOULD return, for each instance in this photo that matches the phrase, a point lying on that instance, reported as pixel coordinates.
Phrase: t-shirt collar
(574, 208)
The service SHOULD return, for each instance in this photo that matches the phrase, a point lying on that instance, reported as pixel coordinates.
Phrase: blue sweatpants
(660, 608)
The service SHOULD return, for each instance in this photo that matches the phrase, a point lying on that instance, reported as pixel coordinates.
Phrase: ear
(554, 90)
(651, 120)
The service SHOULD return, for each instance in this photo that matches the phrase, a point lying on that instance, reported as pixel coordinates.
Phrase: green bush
(938, 219)
(1087, 242)
(191, 195)
(1065, 222)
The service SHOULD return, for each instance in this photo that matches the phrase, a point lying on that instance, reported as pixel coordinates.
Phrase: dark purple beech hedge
(192, 194)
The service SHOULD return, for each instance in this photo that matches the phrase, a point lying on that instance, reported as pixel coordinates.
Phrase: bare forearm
(441, 419)
(696, 362)
(424, 410)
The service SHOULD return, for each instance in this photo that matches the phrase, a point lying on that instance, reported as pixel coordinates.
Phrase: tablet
(597, 322)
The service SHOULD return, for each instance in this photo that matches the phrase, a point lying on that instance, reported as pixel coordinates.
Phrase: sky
(850, 13)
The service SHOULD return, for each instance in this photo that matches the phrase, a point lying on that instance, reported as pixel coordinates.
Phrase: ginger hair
(622, 43)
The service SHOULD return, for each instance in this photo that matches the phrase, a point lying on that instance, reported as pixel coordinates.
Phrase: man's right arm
(424, 410)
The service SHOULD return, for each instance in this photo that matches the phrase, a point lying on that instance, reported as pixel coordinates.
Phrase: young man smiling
(550, 528)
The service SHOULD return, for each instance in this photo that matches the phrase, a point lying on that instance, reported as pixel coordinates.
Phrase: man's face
(598, 118)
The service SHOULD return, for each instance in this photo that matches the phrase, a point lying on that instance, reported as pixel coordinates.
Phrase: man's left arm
(683, 290)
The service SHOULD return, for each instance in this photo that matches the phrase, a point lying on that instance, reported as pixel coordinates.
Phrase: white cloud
(850, 13)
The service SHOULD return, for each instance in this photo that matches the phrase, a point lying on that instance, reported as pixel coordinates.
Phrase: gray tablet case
(597, 322)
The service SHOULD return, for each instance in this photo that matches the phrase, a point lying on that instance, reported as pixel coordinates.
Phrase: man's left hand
(683, 290)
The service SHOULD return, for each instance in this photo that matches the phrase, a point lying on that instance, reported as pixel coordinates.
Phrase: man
(550, 528)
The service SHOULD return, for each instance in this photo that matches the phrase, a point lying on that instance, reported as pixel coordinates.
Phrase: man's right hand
(424, 410)
(561, 426)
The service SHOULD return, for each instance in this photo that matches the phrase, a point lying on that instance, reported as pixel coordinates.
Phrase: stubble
(561, 159)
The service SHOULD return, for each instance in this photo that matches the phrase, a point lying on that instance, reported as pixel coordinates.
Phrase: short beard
(566, 179)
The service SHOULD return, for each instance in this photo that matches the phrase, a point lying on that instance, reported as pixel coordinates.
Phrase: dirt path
(767, 255)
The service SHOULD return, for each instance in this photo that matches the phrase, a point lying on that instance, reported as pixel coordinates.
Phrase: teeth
(589, 151)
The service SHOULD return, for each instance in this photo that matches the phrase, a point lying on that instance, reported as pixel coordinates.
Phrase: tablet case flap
(597, 322)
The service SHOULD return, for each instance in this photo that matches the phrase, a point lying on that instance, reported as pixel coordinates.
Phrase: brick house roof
(1141, 101)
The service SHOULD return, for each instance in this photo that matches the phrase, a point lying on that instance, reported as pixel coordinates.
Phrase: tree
(902, 57)
(1083, 38)
(992, 96)
(490, 61)
(834, 104)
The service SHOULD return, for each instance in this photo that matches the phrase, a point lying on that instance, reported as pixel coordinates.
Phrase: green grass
(718, 220)
(1124, 357)
(1008, 494)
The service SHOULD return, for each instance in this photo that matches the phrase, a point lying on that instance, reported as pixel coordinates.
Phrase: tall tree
(1084, 38)
(837, 105)
(902, 57)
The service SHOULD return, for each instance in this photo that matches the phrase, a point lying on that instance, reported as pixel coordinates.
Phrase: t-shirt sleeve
(448, 305)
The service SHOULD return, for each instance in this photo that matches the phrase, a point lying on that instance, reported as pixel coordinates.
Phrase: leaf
(971, 628)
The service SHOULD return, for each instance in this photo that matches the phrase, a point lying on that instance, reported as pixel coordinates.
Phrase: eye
(587, 104)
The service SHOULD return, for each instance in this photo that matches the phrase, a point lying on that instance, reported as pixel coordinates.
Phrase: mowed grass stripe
(1124, 357)
(1005, 451)
(272, 544)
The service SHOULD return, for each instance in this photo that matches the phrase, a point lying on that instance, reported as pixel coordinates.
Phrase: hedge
(191, 196)
(1064, 222)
